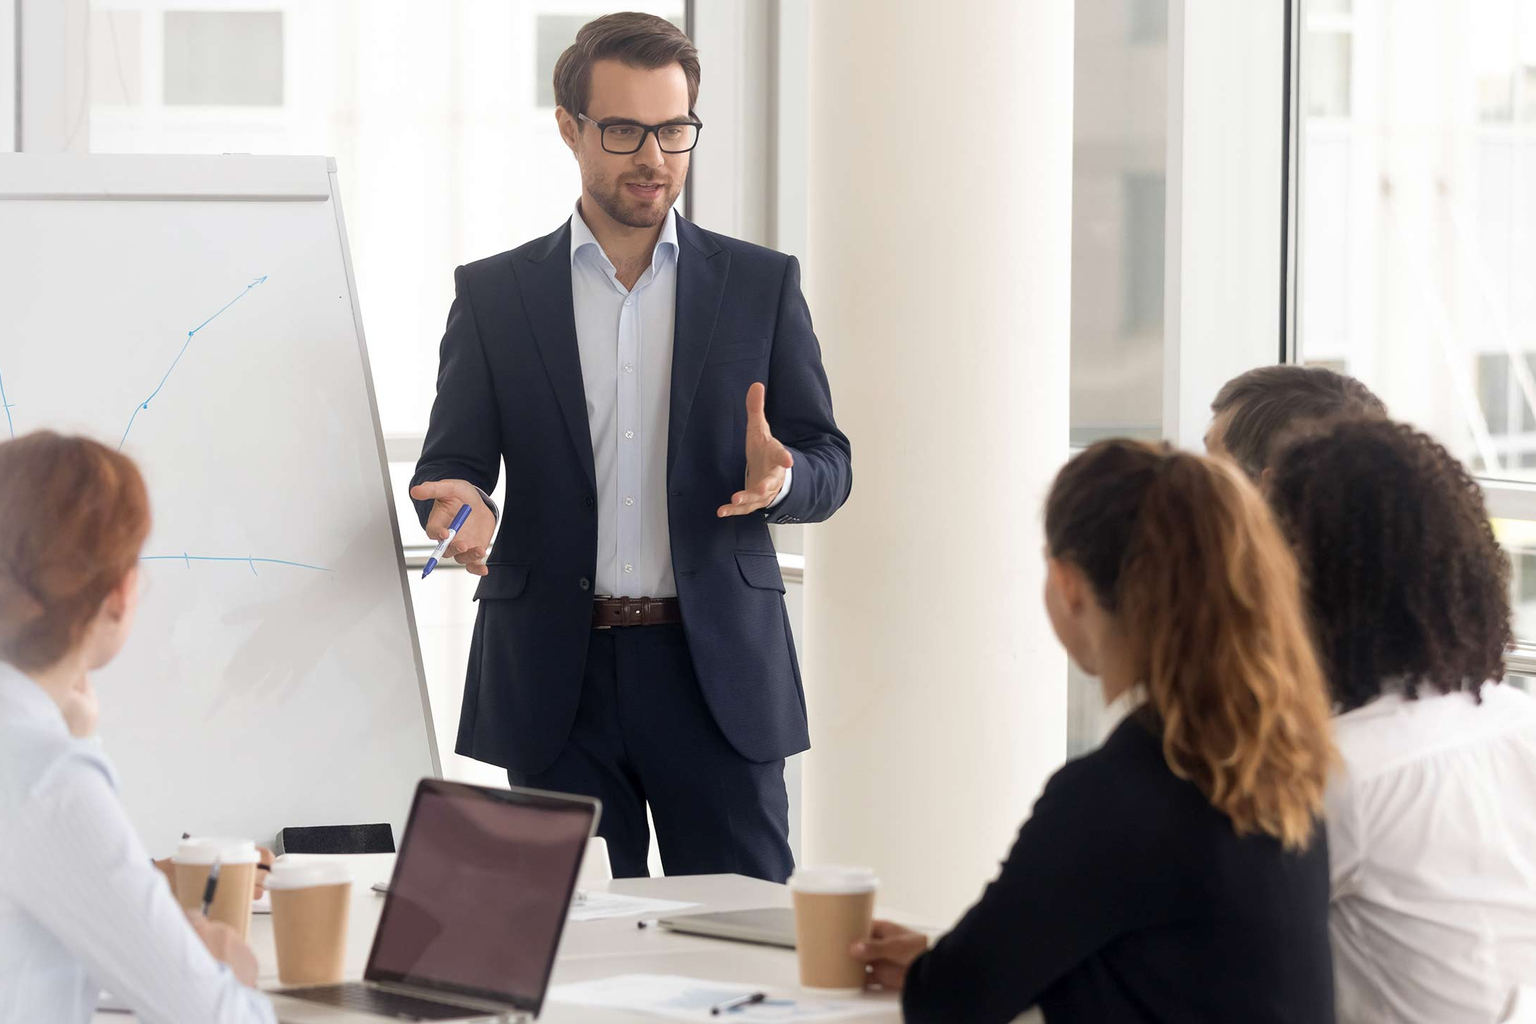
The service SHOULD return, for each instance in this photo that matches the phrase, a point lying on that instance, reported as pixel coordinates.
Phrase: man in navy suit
(657, 395)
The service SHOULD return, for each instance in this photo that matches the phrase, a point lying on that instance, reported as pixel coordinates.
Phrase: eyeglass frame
(650, 129)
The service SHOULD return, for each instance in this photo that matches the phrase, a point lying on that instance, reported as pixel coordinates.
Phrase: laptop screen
(480, 891)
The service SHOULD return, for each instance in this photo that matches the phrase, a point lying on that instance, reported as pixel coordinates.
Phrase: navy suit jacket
(509, 389)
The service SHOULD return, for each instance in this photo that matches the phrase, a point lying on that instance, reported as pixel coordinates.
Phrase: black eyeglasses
(625, 137)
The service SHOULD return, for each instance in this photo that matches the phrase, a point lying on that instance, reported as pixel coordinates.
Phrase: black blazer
(1129, 898)
(509, 388)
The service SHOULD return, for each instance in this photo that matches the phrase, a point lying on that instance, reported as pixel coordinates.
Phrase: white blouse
(81, 906)
(1432, 842)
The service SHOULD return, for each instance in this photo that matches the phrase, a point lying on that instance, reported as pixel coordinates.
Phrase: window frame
(1227, 276)
(10, 71)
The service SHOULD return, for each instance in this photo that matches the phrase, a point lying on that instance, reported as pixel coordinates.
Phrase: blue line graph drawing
(6, 405)
(187, 344)
(248, 560)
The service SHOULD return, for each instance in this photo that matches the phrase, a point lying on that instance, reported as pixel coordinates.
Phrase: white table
(600, 949)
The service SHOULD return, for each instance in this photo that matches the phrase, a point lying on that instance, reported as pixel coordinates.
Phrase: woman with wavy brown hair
(1179, 873)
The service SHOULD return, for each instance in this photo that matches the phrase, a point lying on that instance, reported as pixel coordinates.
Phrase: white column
(940, 243)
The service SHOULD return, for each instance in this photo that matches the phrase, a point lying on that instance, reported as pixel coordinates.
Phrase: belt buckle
(602, 597)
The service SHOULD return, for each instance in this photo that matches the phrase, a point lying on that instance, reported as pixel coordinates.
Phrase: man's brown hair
(1269, 404)
(638, 40)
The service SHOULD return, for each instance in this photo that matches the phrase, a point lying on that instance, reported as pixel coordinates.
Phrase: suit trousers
(644, 735)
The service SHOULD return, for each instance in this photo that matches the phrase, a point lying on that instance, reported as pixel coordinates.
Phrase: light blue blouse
(81, 907)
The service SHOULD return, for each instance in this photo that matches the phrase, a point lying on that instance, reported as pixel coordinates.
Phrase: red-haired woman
(81, 906)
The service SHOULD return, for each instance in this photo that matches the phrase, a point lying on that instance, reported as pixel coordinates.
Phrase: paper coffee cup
(237, 859)
(310, 903)
(833, 909)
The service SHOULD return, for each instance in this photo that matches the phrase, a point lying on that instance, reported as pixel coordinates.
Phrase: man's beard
(616, 205)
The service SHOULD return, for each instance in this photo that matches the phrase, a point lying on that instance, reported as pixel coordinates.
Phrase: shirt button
(629, 501)
(629, 568)
(586, 584)
(591, 504)
(628, 301)
(629, 434)
(629, 367)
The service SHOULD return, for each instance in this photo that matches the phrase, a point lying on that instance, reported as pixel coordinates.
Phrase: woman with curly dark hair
(1432, 823)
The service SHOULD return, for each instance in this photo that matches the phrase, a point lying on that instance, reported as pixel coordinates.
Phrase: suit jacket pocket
(503, 583)
(761, 570)
(722, 352)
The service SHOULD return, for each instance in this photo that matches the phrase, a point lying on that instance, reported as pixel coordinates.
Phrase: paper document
(671, 997)
(596, 906)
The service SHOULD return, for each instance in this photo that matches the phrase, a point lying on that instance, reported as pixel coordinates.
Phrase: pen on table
(737, 1003)
(442, 545)
(212, 886)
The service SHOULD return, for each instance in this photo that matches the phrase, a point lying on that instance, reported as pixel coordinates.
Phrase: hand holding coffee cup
(311, 898)
(888, 952)
(226, 947)
(834, 908)
(237, 860)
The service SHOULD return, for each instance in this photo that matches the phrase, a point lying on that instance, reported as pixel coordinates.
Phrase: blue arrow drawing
(6, 405)
(190, 335)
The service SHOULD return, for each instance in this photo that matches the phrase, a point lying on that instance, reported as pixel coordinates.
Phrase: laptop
(474, 913)
(770, 926)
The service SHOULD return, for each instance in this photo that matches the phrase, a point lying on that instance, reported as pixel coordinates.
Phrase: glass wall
(1418, 226)
(1418, 215)
(1119, 185)
(439, 114)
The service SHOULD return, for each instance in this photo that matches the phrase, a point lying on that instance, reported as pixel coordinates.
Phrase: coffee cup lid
(307, 873)
(206, 849)
(833, 880)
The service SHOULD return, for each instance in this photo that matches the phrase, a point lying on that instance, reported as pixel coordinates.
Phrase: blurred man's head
(625, 91)
(1255, 410)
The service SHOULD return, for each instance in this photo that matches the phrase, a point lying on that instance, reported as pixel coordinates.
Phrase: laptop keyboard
(382, 1003)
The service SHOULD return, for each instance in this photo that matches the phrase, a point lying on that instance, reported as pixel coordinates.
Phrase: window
(216, 58)
(1119, 181)
(455, 160)
(1418, 215)
(1119, 188)
(1417, 233)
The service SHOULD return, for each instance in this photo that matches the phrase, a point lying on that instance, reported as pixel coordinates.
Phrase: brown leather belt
(608, 612)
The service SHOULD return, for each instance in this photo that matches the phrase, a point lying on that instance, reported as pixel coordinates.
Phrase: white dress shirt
(625, 340)
(81, 906)
(1432, 844)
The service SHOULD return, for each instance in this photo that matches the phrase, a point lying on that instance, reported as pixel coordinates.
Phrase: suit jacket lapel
(545, 281)
(702, 268)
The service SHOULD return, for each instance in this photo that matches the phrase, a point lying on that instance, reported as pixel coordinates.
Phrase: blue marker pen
(442, 545)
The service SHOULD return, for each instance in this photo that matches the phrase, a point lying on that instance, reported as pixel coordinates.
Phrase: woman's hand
(888, 952)
(227, 947)
(263, 866)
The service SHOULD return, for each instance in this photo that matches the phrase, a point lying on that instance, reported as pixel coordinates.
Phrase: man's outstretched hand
(473, 541)
(767, 460)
